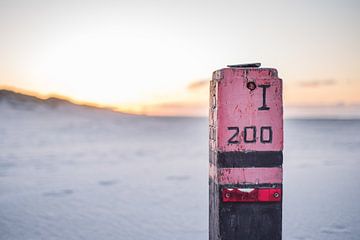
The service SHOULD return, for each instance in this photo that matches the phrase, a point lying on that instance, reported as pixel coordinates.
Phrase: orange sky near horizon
(157, 58)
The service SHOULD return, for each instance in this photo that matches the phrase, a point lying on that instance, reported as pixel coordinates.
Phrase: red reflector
(251, 194)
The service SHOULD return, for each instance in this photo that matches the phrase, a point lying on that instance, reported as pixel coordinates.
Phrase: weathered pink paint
(245, 142)
(212, 172)
(249, 175)
(238, 107)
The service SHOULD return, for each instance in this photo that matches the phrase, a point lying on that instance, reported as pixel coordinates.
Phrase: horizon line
(120, 109)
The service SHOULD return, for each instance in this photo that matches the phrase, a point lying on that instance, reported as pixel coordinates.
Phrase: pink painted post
(249, 175)
(246, 142)
(255, 112)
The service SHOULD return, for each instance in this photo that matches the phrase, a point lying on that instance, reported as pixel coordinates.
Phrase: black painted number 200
(250, 134)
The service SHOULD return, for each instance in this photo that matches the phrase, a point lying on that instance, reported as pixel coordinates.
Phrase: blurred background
(103, 113)
(157, 57)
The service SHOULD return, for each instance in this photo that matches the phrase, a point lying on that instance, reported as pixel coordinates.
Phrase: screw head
(276, 195)
(251, 86)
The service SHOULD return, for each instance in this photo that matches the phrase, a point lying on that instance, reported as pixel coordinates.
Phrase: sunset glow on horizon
(156, 58)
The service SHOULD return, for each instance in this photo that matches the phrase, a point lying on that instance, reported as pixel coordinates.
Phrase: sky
(157, 57)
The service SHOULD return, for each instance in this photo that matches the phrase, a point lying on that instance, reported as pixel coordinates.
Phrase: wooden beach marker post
(246, 143)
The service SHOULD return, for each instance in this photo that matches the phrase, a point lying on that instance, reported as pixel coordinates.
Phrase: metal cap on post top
(245, 65)
(246, 143)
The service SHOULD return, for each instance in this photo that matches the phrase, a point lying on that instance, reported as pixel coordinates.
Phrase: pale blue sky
(144, 54)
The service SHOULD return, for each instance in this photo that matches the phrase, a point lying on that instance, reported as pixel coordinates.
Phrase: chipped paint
(246, 143)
